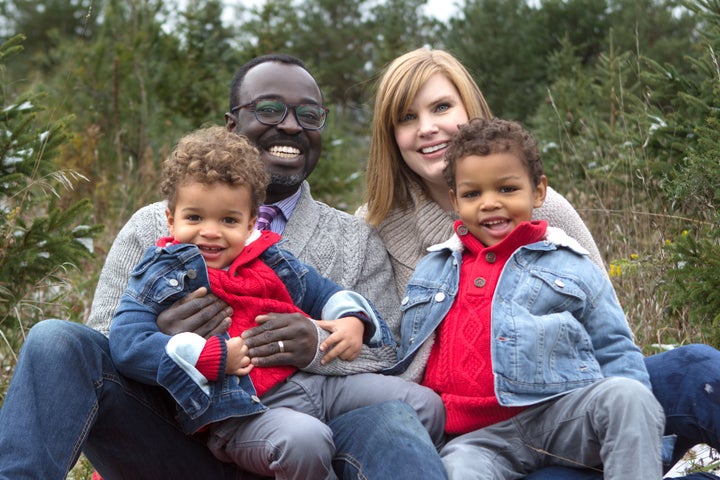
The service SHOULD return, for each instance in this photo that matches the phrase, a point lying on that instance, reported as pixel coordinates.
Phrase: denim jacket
(556, 322)
(166, 274)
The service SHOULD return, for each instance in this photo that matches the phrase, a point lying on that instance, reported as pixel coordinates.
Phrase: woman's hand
(199, 312)
(282, 339)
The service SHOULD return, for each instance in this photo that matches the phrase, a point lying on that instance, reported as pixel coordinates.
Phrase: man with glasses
(66, 395)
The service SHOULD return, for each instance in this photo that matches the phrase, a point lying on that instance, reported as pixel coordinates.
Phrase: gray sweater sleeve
(560, 213)
(141, 231)
(373, 278)
(345, 249)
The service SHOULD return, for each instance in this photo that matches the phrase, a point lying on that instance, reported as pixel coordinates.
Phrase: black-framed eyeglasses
(273, 112)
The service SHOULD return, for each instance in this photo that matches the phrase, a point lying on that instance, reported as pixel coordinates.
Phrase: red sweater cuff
(210, 358)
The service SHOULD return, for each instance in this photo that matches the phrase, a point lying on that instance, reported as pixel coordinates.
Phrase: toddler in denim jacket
(532, 356)
(268, 420)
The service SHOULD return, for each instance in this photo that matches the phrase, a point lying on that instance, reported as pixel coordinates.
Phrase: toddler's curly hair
(485, 136)
(214, 155)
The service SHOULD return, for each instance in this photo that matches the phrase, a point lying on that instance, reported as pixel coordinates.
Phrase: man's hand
(199, 312)
(282, 339)
(345, 341)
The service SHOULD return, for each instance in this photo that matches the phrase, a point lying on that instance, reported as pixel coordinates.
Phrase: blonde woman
(421, 98)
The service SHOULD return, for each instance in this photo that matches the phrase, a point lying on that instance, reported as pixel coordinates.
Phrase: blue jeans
(66, 397)
(686, 382)
(384, 441)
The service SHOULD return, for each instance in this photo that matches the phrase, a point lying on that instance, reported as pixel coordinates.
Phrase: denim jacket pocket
(171, 287)
(556, 293)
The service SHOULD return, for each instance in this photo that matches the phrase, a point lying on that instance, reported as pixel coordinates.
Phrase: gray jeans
(615, 425)
(291, 439)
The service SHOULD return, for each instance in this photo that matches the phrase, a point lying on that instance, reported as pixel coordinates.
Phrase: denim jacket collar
(554, 236)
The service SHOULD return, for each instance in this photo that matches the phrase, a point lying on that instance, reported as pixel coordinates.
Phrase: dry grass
(631, 239)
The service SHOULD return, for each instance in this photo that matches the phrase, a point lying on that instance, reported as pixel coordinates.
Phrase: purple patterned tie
(266, 213)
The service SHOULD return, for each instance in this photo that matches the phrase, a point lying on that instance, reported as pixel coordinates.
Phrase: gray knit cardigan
(340, 246)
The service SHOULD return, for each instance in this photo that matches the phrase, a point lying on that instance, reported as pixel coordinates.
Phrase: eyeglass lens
(272, 112)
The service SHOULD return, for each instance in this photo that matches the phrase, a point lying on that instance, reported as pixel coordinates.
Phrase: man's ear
(540, 192)
(230, 122)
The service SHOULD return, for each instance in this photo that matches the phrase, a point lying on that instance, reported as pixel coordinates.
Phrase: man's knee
(381, 438)
(430, 411)
(50, 338)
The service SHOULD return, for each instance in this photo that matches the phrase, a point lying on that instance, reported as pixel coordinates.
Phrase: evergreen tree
(46, 24)
(268, 28)
(41, 237)
(400, 26)
(507, 44)
(125, 86)
(504, 45)
(201, 68)
(687, 143)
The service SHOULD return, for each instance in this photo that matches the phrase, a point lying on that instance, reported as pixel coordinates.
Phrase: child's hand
(238, 362)
(345, 340)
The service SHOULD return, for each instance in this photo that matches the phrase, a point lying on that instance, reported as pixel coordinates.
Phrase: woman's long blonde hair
(389, 180)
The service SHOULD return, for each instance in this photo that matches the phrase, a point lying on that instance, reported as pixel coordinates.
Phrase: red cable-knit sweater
(251, 288)
(460, 365)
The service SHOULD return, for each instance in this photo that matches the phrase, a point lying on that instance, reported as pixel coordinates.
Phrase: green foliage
(343, 42)
(269, 28)
(509, 45)
(695, 280)
(686, 145)
(590, 127)
(41, 236)
(144, 78)
(46, 25)
(503, 44)
(399, 26)
(635, 140)
(200, 67)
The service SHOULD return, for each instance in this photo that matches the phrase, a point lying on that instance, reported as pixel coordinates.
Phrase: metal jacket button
(490, 257)
(479, 282)
(462, 230)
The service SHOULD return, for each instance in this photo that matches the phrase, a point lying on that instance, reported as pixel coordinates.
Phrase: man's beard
(285, 184)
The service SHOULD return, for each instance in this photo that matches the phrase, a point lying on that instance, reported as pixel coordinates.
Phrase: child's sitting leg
(327, 397)
(615, 425)
(279, 443)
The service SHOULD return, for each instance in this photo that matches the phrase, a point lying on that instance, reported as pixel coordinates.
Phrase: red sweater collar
(252, 250)
(524, 234)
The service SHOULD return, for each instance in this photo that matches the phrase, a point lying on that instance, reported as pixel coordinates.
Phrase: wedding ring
(281, 346)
